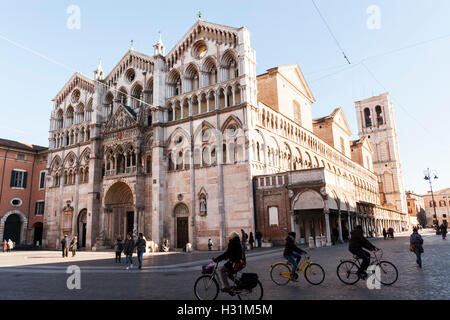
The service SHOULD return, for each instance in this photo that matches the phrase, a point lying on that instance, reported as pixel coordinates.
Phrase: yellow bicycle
(280, 272)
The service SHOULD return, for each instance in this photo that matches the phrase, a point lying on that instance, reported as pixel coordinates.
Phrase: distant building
(22, 191)
(416, 209)
(441, 204)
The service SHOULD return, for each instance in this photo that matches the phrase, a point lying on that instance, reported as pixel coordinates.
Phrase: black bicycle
(246, 286)
(347, 270)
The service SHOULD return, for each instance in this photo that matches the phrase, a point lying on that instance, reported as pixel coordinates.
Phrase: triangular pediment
(201, 30)
(123, 118)
(339, 118)
(293, 74)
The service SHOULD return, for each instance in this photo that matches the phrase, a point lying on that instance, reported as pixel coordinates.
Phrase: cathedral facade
(178, 146)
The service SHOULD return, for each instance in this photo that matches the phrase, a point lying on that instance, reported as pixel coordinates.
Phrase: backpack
(248, 281)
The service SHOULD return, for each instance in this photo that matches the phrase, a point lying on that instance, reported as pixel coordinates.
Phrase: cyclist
(292, 253)
(235, 263)
(356, 245)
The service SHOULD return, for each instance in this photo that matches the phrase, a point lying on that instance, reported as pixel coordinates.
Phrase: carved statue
(203, 209)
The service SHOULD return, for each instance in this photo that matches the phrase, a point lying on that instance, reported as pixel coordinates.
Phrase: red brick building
(22, 191)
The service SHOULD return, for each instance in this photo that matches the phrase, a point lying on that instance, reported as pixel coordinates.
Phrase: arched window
(209, 69)
(122, 95)
(174, 83)
(69, 116)
(379, 115)
(367, 117)
(191, 76)
(136, 93)
(229, 64)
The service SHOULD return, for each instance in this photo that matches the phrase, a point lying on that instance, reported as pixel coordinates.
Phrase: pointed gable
(339, 119)
(123, 118)
(201, 30)
(77, 80)
(294, 76)
(131, 59)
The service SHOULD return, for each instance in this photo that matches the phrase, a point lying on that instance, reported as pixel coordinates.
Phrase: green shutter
(25, 179)
(13, 177)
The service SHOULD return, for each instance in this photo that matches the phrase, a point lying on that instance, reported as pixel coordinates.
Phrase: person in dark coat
(356, 245)
(140, 246)
(128, 249)
(65, 243)
(74, 246)
(258, 236)
(236, 261)
(344, 233)
(391, 232)
(384, 233)
(292, 253)
(251, 240)
(118, 248)
(444, 231)
(416, 240)
(334, 235)
(244, 239)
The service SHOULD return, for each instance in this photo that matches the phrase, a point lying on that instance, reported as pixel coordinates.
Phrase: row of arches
(204, 102)
(72, 116)
(119, 160)
(71, 136)
(373, 117)
(196, 76)
(69, 177)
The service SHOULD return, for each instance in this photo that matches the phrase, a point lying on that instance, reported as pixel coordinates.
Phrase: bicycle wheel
(347, 272)
(206, 288)
(314, 274)
(280, 273)
(254, 294)
(388, 273)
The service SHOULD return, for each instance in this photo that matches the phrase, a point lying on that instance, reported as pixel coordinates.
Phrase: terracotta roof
(21, 145)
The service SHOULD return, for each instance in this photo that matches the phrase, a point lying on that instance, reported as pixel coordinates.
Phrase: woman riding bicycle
(356, 245)
(292, 253)
(236, 261)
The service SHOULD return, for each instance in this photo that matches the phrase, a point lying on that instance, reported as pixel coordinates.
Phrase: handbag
(412, 247)
(238, 265)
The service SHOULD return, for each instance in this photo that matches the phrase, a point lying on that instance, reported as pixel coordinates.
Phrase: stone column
(327, 226)
(349, 222)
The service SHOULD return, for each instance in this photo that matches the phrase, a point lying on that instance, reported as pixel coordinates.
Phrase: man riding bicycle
(292, 253)
(235, 263)
(356, 245)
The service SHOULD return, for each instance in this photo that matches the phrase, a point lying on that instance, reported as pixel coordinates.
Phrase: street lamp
(430, 175)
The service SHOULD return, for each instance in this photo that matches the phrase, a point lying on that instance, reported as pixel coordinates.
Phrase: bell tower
(376, 121)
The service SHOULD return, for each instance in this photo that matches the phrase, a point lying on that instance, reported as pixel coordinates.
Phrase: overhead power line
(331, 32)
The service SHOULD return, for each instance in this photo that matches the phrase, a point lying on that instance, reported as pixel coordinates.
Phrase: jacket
(358, 241)
(140, 244)
(128, 246)
(65, 243)
(290, 247)
(234, 251)
(417, 240)
(119, 246)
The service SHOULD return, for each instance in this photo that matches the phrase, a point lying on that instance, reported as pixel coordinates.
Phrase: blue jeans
(140, 254)
(295, 259)
(129, 259)
(419, 258)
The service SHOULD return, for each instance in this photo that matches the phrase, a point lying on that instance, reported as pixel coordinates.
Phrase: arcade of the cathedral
(193, 145)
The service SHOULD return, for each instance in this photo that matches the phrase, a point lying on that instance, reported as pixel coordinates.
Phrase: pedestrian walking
(65, 246)
(391, 233)
(10, 245)
(140, 246)
(258, 236)
(128, 249)
(384, 233)
(210, 244)
(251, 240)
(345, 233)
(74, 246)
(5, 245)
(444, 231)
(416, 245)
(244, 239)
(118, 248)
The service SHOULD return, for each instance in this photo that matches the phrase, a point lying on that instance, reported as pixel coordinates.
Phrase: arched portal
(12, 228)
(81, 228)
(181, 213)
(119, 212)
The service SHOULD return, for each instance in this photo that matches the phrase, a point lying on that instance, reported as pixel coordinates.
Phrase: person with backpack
(118, 248)
(236, 261)
(416, 245)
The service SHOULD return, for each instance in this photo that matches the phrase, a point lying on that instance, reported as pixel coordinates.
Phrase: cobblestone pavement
(42, 274)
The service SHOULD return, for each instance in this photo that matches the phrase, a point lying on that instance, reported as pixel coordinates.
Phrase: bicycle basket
(208, 269)
(248, 281)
